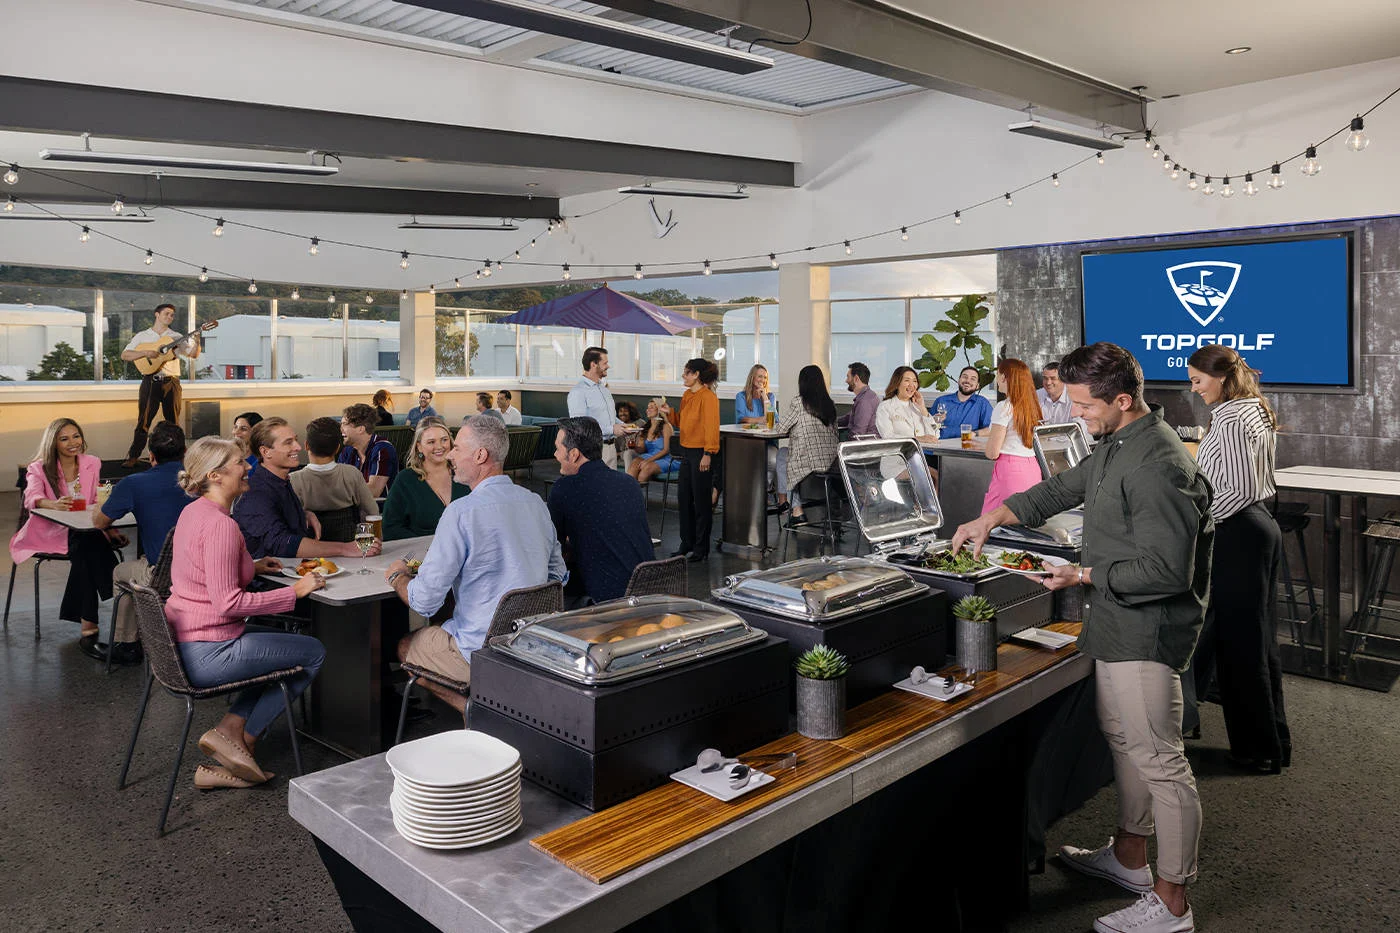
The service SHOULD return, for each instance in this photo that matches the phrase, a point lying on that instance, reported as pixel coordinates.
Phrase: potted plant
(957, 331)
(976, 634)
(821, 692)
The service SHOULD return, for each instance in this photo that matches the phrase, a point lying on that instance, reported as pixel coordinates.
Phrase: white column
(804, 322)
(417, 338)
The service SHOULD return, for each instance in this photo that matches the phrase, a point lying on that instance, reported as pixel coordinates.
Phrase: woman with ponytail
(1010, 441)
(1237, 456)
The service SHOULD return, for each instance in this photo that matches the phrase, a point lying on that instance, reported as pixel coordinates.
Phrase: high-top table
(359, 618)
(963, 476)
(80, 521)
(1333, 483)
(744, 451)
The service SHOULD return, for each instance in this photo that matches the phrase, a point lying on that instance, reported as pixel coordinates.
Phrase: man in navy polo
(600, 515)
(156, 499)
(964, 406)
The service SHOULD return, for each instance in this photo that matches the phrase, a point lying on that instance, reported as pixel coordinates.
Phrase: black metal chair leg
(403, 708)
(1307, 579)
(175, 771)
(9, 597)
(136, 729)
(1290, 600)
(291, 726)
(37, 564)
(117, 597)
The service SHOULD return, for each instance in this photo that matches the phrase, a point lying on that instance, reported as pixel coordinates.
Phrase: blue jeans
(259, 650)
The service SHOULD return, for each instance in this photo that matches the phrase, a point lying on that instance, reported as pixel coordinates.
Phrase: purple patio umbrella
(603, 309)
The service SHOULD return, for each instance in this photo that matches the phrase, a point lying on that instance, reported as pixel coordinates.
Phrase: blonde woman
(751, 406)
(64, 476)
(208, 610)
(655, 458)
(421, 492)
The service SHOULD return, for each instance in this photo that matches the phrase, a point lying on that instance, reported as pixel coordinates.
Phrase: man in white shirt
(160, 391)
(591, 399)
(509, 413)
(1054, 400)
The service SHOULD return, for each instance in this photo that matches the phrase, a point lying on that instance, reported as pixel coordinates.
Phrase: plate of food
(413, 563)
(1029, 564)
(320, 565)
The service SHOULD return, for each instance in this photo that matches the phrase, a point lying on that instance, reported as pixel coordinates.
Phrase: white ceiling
(1178, 46)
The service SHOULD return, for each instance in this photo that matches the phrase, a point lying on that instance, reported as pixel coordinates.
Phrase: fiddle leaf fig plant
(956, 332)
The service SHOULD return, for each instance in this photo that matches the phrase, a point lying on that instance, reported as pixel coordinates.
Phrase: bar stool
(1292, 518)
(1385, 538)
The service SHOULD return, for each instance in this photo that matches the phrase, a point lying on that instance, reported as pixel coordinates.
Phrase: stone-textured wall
(1038, 308)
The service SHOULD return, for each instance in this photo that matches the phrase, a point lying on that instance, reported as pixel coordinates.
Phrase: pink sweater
(208, 600)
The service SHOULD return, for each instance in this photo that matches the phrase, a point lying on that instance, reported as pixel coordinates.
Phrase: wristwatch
(1081, 576)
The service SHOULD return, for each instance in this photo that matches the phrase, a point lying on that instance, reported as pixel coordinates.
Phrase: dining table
(744, 451)
(80, 520)
(360, 619)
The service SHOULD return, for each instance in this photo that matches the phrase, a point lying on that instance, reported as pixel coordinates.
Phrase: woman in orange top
(698, 423)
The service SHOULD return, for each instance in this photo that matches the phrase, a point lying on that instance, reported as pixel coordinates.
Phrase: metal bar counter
(511, 886)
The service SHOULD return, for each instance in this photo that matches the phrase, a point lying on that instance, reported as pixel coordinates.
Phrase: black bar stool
(1292, 518)
(1385, 537)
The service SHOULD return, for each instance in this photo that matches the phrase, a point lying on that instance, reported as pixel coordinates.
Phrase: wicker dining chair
(513, 606)
(163, 664)
(658, 578)
(160, 582)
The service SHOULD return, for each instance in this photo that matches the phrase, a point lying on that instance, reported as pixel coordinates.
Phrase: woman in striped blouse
(1237, 456)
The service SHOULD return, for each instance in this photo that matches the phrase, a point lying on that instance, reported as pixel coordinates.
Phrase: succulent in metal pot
(822, 662)
(974, 609)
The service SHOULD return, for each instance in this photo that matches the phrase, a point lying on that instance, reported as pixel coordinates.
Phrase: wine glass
(941, 415)
(364, 540)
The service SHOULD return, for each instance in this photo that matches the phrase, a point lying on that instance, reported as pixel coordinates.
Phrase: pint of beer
(769, 416)
(376, 523)
(966, 435)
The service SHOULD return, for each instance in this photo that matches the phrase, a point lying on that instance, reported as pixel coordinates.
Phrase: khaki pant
(610, 456)
(1139, 706)
(436, 650)
(129, 571)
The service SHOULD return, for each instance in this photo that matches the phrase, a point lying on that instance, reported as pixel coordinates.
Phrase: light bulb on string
(567, 274)
(85, 235)
(957, 218)
(403, 260)
(203, 274)
(849, 251)
(517, 254)
(532, 242)
(369, 299)
(707, 270)
(1208, 189)
(432, 289)
(403, 295)
(457, 283)
(487, 270)
(1166, 165)
(252, 286)
(1357, 140)
(773, 260)
(1311, 166)
(12, 176)
(1275, 178)
(638, 273)
(1226, 191)
(1176, 171)
(150, 257)
(315, 246)
(904, 233)
(478, 273)
(118, 205)
(296, 293)
(1147, 140)
(1007, 196)
(1193, 184)
(1100, 158)
(219, 227)
(9, 205)
(330, 298)
(1156, 152)
(1055, 179)
(1250, 188)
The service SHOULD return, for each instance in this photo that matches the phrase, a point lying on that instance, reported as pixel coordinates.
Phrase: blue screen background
(1296, 290)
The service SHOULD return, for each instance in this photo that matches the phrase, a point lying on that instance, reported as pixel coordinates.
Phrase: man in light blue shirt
(591, 399)
(964, 406)
(499, 538)
(424, 408)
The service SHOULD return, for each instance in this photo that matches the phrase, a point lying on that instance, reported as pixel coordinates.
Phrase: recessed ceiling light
(1238, 50)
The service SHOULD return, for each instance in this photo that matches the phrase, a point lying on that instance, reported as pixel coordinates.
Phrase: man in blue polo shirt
(156, 499)
(600, 515)
(964, 406)
(374, 457)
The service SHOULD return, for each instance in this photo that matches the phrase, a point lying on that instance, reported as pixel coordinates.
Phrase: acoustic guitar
(167, 348)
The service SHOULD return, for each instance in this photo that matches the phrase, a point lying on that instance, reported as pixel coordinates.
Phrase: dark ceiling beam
(38, 106)
(868, 36)
(48, 186)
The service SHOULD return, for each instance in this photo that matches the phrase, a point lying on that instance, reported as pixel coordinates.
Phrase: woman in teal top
(421, 492)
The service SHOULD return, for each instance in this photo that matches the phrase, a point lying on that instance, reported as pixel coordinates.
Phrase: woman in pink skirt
(1010, 441)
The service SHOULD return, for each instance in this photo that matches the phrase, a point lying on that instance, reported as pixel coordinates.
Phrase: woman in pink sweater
(208, 609)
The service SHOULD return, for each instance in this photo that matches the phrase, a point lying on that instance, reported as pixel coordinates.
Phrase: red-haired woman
(1010, 440)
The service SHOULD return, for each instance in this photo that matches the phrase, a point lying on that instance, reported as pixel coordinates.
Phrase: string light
(1250, 188)
(532, 242)
(1176, 171)
(957, 217)
(487, 271)
(118, 205)
(330, 299)
(773, 260)
(432, 289)
(85, 235)
(904, 233)
(1193, 184)
(252, 286)
(315, 246)
(567, 274)
(203, 273)
(1007, 196)
(369, 299)
(1156, 152)
(1100, 157)
(1226, 191)
(1147, 140)
(1357, 140)
(1275, 178)
(150, 257)
(1166, 165)
(517, 254)
(638, 273)
(1208, 189)
(403, 262)
(12, 176)
(1311, 165)
(403, 295)
(478, 273)
(849, 251)
(296, 293)
(219, 227)
(1055, 179)
(457, 283)
(707, 269)
(9, 205)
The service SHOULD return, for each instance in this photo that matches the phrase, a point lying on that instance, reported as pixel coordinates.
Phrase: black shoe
(697, 556)
(681, 553)
(90, 646)
(794, 520)
(127, 653)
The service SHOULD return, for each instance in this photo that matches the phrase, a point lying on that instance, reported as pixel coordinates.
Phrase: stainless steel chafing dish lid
(1060, 447)
(891, 488)
(625, 638)
(821, 589)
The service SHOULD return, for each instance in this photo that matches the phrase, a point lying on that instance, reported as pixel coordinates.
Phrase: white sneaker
(1102, 863)
(1148, 915)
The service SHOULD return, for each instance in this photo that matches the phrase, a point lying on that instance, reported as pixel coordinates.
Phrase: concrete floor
(1313, 849)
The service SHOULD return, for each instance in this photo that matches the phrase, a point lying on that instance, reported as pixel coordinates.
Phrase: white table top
(353, 586)
(1339, 480)
(80, 521)
(745, 431)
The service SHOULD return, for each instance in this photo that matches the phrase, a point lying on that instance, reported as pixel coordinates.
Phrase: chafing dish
(1060, 447)
(820, 589)
(604, 702)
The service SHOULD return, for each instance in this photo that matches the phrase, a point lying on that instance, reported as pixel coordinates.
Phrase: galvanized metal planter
(821, 707)
(976, 645)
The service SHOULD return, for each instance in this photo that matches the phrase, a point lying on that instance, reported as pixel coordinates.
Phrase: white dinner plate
(454, 811)
(428, 793)
(1049, 562)
(292, 572)
(465, 844)
(457, 827)
(448, 833)
(453, 759)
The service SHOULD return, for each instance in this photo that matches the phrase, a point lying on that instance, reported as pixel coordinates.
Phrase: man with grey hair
(600, 515)
(497, 539)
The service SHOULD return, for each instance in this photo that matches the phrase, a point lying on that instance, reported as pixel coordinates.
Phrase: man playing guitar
(160, 390)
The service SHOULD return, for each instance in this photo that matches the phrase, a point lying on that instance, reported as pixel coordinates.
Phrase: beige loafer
(232, 756)
(213, 777)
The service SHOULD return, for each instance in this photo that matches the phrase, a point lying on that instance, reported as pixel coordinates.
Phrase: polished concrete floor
(1313, 849)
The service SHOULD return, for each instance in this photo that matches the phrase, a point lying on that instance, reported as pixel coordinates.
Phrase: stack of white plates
(455, 789)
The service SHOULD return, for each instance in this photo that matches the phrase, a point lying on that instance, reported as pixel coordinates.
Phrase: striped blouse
(1237, 456)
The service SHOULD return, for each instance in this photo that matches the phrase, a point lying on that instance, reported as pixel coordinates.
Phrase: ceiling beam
(37, 106)
(869, 36)
(54, 186)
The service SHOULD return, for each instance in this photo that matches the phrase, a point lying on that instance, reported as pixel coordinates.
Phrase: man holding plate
(1147, 556)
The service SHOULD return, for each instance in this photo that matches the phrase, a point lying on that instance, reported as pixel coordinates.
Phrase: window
(492, 345)
(372, 334)
(449, 341)
(46, 333)
(241, 347)
(554, 352)
(310, 340)
(663, 358)
(768, 353)
(869, 331)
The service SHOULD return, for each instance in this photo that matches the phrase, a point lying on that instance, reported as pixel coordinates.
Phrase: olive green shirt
(1147, 536)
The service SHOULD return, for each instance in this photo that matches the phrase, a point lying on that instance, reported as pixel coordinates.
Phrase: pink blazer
(39, 535)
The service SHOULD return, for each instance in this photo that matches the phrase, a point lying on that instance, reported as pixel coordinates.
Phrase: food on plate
(830, 581)
(648, 628)
(959, 561)
(413, 564)
(671, 620)
(617, 638)
(1022, 560)
(322, 565)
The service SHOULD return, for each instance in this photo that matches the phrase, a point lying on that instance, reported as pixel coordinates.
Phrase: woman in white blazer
(903, 413)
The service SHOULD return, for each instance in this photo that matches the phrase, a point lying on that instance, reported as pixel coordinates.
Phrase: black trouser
(693, 501)
(1238, 643)
(91, 560)
(158, 393)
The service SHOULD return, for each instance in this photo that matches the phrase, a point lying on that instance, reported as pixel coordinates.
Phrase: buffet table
(744, 451)
(694, 842)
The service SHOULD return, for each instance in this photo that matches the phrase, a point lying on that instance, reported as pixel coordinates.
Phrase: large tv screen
(1284, 304)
